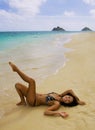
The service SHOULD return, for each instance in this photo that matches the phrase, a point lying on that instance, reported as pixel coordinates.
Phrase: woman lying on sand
(53, 100)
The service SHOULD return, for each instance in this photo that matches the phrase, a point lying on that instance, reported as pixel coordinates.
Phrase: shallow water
(40, 52)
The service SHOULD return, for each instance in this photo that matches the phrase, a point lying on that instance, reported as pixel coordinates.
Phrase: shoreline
(78, 74)
(41, 63)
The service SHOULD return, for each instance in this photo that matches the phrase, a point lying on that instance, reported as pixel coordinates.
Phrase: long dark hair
(73, 103)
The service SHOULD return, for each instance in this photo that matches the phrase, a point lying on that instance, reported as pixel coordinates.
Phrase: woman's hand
(63, 114)
(81, 102)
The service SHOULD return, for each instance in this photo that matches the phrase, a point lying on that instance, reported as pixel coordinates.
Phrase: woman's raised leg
(31, 90)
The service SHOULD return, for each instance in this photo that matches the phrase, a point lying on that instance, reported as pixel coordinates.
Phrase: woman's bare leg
(31, 91)
(22, 92)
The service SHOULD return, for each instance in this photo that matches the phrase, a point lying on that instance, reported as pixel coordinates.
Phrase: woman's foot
(14, 67)
(21, 103)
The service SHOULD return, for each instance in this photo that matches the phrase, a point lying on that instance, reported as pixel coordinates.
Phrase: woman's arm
(81, 102)
(51, 111)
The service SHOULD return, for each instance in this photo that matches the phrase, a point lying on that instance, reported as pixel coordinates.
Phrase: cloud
(92, 12)
(25, 7)
(90, 2)
(20, 14)
(69, 13)
(13, 22)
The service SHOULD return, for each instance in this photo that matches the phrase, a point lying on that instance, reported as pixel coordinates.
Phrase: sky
(43, 15)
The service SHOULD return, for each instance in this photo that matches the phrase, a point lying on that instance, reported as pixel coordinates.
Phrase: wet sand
(78, 74)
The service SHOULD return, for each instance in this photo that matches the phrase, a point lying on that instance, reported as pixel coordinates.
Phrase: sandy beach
(78, 74)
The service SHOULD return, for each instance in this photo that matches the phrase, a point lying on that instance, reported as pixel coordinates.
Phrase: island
(58, 29)
(86, 29)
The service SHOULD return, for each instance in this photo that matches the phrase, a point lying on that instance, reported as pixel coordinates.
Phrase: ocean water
(39, 54)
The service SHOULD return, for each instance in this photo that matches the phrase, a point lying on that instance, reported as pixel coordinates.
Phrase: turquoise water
(12, 39)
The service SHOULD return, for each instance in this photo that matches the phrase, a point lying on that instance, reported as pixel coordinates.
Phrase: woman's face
(67, 99)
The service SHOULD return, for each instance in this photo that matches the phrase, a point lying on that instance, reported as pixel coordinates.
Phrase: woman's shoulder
(56, 104)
